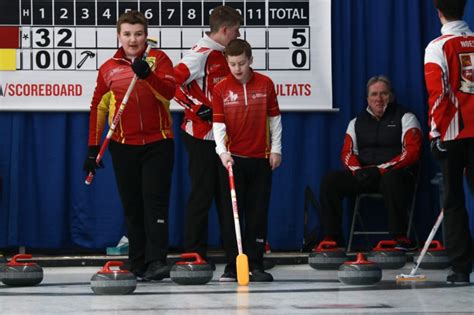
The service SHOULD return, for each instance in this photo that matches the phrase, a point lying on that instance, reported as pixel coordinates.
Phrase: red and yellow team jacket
(146, 117)
(201, 68)
(247, 110)
(449, 76)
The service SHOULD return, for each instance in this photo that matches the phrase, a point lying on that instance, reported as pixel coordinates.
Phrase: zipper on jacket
(140, 114)
(245, 93)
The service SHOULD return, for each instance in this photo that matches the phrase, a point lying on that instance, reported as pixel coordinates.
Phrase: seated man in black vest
(381, 150)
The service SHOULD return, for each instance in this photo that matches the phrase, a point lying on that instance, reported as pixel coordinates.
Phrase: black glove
(141, 68)
(205, 113)
(438, 149)
(368, 176)
(89, 163)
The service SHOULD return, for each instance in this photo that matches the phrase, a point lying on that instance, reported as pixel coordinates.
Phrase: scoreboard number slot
(88, 25)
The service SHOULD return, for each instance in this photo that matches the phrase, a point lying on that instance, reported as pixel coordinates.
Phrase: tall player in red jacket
(247, 128)
(142, 146)
(449, 76)
(197, 73)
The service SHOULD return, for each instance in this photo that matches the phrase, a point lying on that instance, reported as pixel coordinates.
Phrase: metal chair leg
(351, 234)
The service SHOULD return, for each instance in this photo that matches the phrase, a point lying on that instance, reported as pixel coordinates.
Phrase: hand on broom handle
(151, 43)
(242, 262)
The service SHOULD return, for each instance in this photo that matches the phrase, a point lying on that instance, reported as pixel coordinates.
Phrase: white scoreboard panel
(61, 44)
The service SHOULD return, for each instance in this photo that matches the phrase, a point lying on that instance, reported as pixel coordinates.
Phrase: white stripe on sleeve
(219, 130)
(276, 129)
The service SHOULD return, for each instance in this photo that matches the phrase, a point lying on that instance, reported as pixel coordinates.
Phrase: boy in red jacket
(142, 146)
(247, 130)
(202, 67)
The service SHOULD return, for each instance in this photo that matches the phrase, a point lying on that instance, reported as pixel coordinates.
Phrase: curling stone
(197, 271)
(21, 274)
(3, 263)
(327, 256)
(359, 272)
(387, 256)
(435, 258)
(113, 282)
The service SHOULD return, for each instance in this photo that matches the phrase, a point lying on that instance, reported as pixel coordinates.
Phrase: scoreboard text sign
(50, 50)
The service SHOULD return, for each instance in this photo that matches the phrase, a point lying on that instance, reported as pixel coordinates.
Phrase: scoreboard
(50, 50)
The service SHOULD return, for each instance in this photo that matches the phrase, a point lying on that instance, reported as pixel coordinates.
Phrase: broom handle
(118, 115)
(428, 242)
(235, 210)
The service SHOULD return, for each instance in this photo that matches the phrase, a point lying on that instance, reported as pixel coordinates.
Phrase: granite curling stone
(387, 256)
(191, 272)
(359, 272)
(113, 282)
(435, 258)
(327, 256)
(20, 274)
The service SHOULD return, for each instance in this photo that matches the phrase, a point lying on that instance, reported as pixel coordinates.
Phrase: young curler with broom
(247, 130)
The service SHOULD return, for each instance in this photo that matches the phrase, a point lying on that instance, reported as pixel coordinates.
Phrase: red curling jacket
(245, 110)
(449, 76)
(202, 67)
(146, 117)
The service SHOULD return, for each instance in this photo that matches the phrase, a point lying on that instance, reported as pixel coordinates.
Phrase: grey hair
(383, 79)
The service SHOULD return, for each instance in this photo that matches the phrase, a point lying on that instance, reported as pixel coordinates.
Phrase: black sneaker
(458, 278)
(157, 270)
(260, 276)
(228, 276)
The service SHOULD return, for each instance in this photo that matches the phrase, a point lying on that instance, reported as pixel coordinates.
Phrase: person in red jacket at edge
(449, 78)
(142, 146)
(247, 130)
(201, 68)
(381, 151)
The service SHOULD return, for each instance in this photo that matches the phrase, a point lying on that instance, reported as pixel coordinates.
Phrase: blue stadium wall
(45, 204)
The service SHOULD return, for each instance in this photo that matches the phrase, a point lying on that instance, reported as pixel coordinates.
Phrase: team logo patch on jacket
(232, 98)
(151, 62)
(259, 95)
(467, 65)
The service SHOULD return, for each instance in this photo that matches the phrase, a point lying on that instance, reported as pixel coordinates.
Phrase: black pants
(253, 183)
(458, 237)
(143, 175)
(396, 187)
(203, 171)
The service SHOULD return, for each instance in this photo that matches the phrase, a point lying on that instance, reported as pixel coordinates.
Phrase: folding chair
(357, 216)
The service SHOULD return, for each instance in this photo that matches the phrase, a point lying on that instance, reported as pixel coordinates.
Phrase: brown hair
(133, 17)
(237, 47)
(452, 9)
(224, 15)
